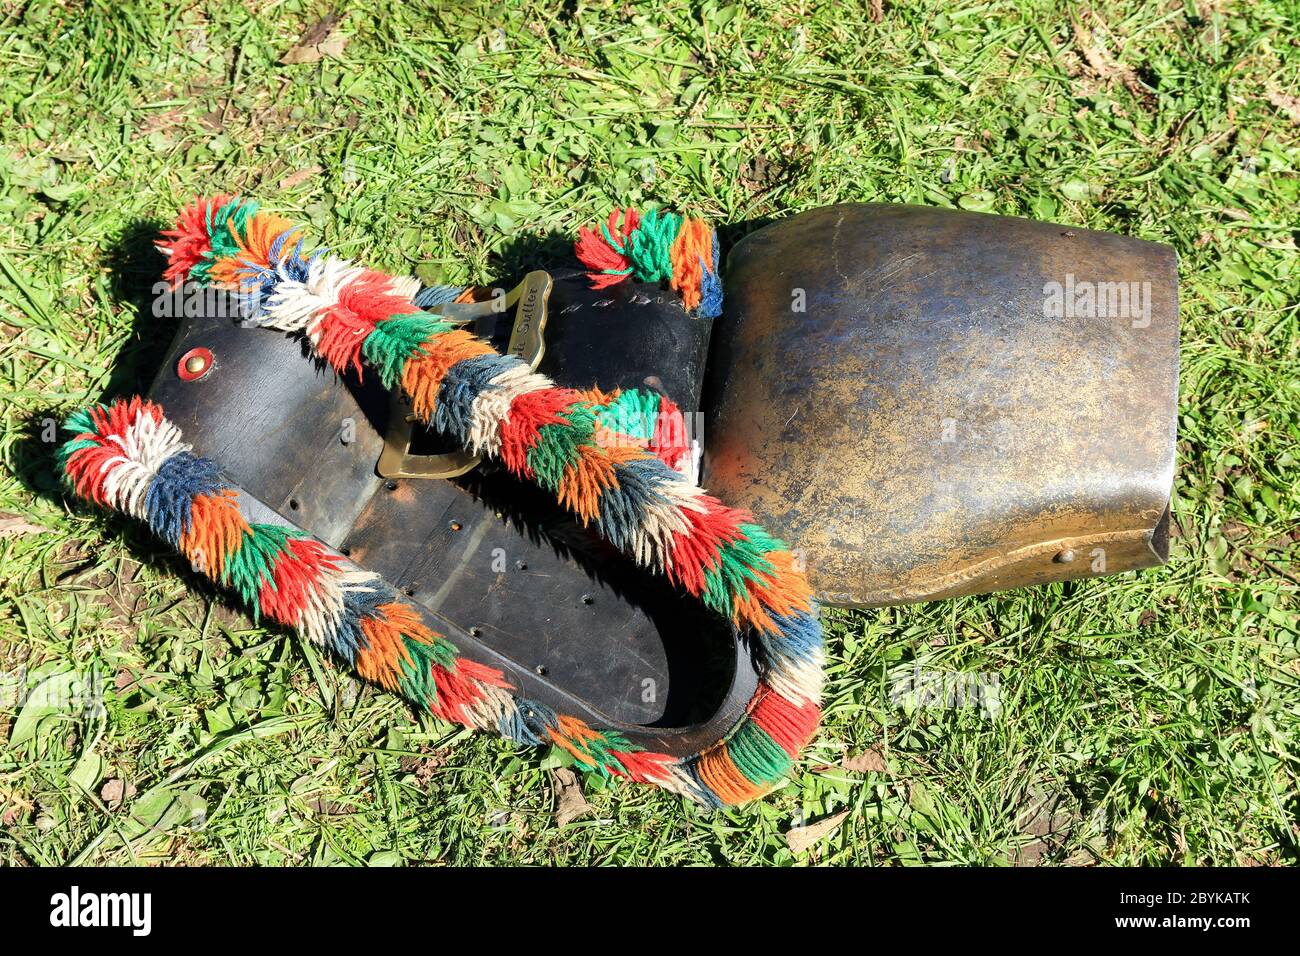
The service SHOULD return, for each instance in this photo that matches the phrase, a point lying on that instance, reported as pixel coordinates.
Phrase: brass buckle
(526, 342)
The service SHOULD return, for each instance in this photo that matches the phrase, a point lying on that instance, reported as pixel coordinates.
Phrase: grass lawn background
(1145, 718)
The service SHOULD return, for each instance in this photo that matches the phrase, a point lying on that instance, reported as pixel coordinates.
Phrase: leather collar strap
(129, 457)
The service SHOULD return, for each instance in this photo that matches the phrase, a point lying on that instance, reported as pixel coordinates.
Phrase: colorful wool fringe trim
(127, 456)
(656, 246)
(635, 418)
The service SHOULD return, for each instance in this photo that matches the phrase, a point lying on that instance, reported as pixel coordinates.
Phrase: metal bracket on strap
(526, 342)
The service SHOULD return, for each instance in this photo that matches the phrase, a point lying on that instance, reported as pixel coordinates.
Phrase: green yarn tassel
(416, 681)
(78, 423)
(651, 245)
(252, 565)
(757, 755)
(222, 240)
(557, 445)
(738, 561)
(634, 413)
(395, 341)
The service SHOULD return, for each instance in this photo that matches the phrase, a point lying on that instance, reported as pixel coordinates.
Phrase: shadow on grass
(134, 267)
(524, 253)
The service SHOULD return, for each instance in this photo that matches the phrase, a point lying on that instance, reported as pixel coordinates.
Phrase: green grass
(1146, 718)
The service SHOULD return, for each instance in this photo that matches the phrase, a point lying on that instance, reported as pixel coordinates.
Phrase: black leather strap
(504, 573)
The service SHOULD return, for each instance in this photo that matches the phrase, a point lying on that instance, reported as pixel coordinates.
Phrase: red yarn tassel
(607, 265)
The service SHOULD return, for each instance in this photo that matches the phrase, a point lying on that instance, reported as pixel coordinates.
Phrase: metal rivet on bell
(194, 364)
(1064, 557)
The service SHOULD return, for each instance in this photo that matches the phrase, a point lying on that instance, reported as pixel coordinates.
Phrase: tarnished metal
(397, 460)
(928, 403)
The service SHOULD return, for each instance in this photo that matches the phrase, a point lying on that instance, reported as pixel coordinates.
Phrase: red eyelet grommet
(194, 364)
